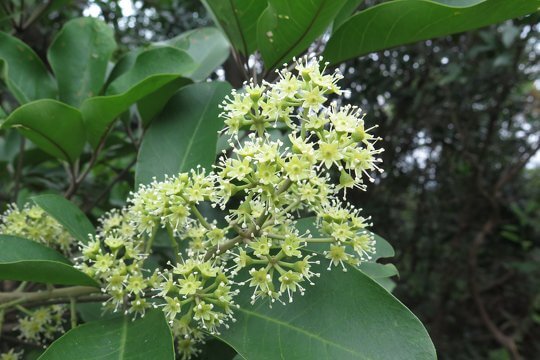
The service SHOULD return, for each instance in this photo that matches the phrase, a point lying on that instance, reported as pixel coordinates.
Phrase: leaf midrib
(300, 330)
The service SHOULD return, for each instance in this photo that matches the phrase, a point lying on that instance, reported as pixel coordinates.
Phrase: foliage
(196, 236)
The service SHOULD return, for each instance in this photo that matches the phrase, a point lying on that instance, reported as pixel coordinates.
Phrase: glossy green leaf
(67, 214)
(346, 315)
(152, 104)
(79, 56)
(207, 46)
(238, 19)
(286, 28)
(23, 72)
(346, 11)
(53, 126)
(398, 22)
(184, 135)
(161, 60)
(26, 260)
(151, 70)
(120, 338)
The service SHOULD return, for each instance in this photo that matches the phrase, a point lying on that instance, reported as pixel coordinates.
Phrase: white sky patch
(92, 10)
(128, 9)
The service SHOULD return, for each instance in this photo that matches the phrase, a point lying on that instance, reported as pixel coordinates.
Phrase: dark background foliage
(460, 198)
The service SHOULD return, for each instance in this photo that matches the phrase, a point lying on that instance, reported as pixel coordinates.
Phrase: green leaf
(120, 338)
(26, 260)
(286, 28)
(238, 19)
(152, 104)
(207, 47)
(67, 214)
(184, 135)
(346, 315)
(400, 22)
(161, 60)
(151, 70)
(345, 12)
(79, 56)
(54, 127)
(23, 72)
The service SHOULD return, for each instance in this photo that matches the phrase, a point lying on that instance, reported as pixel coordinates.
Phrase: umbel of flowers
(260, 187)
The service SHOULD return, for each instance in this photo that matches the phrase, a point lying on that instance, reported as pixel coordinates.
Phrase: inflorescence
(260, 187)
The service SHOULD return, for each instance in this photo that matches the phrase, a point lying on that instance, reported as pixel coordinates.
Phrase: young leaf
(238, 19)
(185, 133)
(346, 315)
(67, 214)
(26, 260)
(286, 28)
(401, 22)
(23, 72)
(79, 56)
(120, 338)
(53, 126)
(207, 47)
(152, 70)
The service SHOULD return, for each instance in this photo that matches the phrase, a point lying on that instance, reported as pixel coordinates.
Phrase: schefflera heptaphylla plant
(262, 186)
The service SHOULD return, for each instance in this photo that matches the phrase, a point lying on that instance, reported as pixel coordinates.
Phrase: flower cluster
(11, 355)
(257, 192)
(32, 222)
(42, 325)
(115, 256)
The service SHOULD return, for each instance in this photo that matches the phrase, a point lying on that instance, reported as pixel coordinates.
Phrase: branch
(16, 298)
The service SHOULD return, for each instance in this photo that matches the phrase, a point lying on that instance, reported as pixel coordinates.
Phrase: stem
(321, 240)
(1, 321)
(110, 186)
(150, 241)
(11, 299)
(174, 243)
(77, 180)
(73, 312)
(220, 250)
(200, 217)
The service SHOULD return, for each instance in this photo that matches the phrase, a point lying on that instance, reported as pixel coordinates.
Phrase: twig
(118, 177)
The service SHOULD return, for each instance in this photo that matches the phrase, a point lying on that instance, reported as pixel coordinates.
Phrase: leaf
(79, 56)
(345, 12)
(67, 214)
(120, 338)
(161, 60)
(286, 28)
(26, 260)
(152, 104)
(401, 22)
(54, 127)
(346, 315)
(238, 19)
(151, 70)
(23, 72)
(207, 47)
(184, 135)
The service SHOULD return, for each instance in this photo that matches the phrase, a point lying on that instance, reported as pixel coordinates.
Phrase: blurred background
(460, 198)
